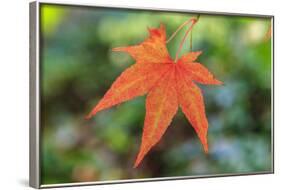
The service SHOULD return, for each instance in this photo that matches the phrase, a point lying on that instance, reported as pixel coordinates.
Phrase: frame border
(35, 115)
(34, 96)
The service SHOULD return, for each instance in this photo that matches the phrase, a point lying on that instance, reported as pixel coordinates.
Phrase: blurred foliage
(78, 67)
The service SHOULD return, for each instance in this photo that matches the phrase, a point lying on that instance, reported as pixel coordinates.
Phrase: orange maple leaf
(168, 84)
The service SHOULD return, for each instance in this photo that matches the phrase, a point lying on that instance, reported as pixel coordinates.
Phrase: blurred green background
(78, 67)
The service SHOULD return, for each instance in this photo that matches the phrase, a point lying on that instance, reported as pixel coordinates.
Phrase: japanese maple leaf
(168, 85)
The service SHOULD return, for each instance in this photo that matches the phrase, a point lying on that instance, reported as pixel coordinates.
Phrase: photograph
(129, 94)
(140, 95)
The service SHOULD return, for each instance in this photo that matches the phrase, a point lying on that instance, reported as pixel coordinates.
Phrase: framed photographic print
(128, 94)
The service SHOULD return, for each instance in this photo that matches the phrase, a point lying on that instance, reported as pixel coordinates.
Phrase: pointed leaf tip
(90, 115)
(206, 149)
(119, 49)
(190, 57)
(218, 82)
(87, 117)
(205, 146)
(137, 162)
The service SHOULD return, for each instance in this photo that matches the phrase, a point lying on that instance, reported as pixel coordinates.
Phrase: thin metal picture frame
(35, 94)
